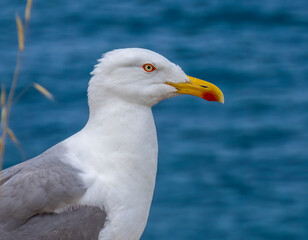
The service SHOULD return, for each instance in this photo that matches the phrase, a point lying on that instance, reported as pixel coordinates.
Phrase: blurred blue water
(233, 171)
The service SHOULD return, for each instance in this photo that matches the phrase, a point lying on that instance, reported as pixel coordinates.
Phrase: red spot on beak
(209, 96)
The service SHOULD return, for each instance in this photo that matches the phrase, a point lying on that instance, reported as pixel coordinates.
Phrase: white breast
(118, 158)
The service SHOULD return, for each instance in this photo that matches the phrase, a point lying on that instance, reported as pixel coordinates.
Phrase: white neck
(119, 160)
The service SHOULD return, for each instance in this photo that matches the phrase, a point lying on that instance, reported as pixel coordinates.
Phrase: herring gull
(98, 183)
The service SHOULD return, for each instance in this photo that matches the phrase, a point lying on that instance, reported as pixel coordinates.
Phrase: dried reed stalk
(7, 101)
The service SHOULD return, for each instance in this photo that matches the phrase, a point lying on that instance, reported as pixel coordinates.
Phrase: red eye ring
(148, 67)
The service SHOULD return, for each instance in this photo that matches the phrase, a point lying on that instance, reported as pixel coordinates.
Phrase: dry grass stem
(12, 135)
(20, 31)
(43, 91)
(28, 10)
(3, 95)
(3, 115)
(1, 144)
(7, 100)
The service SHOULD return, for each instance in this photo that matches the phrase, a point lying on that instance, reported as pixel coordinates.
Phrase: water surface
(233, 171)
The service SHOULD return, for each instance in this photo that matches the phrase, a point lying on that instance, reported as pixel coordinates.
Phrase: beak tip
(222, 99)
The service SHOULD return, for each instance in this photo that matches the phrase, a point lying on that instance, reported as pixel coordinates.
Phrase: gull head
(144, 77)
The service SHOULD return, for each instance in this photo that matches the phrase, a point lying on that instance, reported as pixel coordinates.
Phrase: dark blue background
(236, 171)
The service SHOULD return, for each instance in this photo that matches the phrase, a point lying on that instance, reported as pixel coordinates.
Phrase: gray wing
(40, 185)
(78, 223)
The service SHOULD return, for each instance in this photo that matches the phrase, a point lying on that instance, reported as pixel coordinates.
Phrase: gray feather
(77, 223)
(40, 185)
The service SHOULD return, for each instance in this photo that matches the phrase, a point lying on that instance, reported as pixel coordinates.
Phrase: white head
(143, 77)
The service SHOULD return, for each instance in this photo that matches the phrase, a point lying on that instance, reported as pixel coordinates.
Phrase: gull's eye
(148, 67)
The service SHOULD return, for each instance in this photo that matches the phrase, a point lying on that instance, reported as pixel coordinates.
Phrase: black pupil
(149, 67)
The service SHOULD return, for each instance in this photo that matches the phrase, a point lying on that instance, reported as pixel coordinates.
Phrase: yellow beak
(199, 88)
